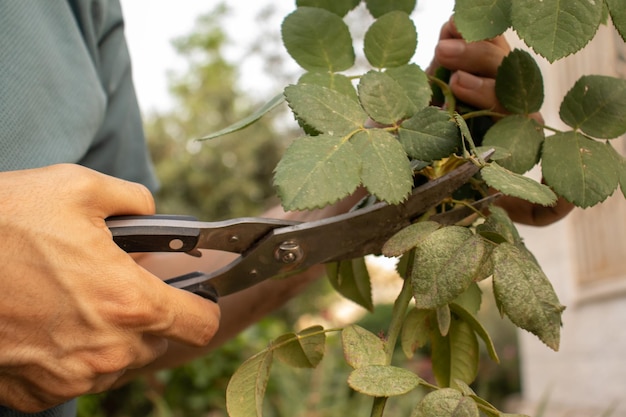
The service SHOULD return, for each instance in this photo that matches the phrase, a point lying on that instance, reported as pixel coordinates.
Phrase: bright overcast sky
(152, 24)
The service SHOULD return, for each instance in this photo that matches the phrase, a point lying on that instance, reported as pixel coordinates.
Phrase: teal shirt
(66, 92)
(66, 95)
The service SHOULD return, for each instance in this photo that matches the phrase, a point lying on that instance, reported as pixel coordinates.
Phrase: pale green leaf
(318, 39)
(383, 98)
(499, 153)
(461, 123)
(351, 279)
(618, 16)
(383, 381)
(620, 163)
(414, 83)
(455, 356)
(331, 80)
(447, 402)
(339, 7)
(444, 318)
(378, 8)
(429, 135)
(578, 168)
(302, 350)
(408, 238)
(525, 293)
(499, 222)
(522, 137)
(316, 171)
(519, 84)
(415, 331)
(477, 327)
(516, 185)
(556, 28)
(391, 40)
(482, 19)
(247, 121)
(446, 262)
(246, 388)
(385, 170)
(595, 105)
(325, 110)
(471, 298)
(362, 348)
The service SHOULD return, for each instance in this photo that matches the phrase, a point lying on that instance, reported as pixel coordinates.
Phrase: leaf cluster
(379, 130)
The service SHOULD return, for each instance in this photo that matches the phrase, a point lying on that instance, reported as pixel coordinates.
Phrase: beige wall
(584, 255)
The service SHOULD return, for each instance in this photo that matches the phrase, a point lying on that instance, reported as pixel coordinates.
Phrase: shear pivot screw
(288, 252)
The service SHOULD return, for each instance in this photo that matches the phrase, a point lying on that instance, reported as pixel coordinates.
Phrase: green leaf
(595, 105)
(455, 356)
(429, 135)
(414, 83)
(316, 171)
(378, 8)
(477, 327)
(383, 381)
(482, 19)
(516, 185)
(391, 40)
(339, 7)
(246, 388)
(556, 28)
(499, 223)
(302, 350)
(525, 294)
(578, 168)
(386, 170)
(383, 98)
(325, 110)
(318, 40)
(447, 402)
(331, 80)
(444, 318)
(362, 348)
(471, 298)
(622, 174)
(415, 331)
(408, 238)
(351, 279)
(447, 261)
(522, 137)
(247, 121)
(466, 133)
(618, 16)
(519, 84)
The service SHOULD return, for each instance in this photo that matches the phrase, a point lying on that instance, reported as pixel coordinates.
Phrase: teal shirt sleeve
(66, 95)
(66, 91)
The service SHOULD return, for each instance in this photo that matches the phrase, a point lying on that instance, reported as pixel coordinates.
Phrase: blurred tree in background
(226, 177)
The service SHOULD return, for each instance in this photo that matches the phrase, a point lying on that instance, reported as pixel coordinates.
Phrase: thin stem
(450, 100)
(378, 408)
(397, 318)
(399, 313)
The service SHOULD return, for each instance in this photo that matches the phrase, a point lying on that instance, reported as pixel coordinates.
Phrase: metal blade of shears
(289, 249)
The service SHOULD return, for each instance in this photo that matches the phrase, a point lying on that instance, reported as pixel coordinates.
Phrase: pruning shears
(274, 247)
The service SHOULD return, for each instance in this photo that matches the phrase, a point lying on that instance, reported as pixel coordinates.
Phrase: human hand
(76, 311)
(473, 65)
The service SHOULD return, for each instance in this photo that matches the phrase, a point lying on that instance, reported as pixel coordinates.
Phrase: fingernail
(467, 80)
(451, 47)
